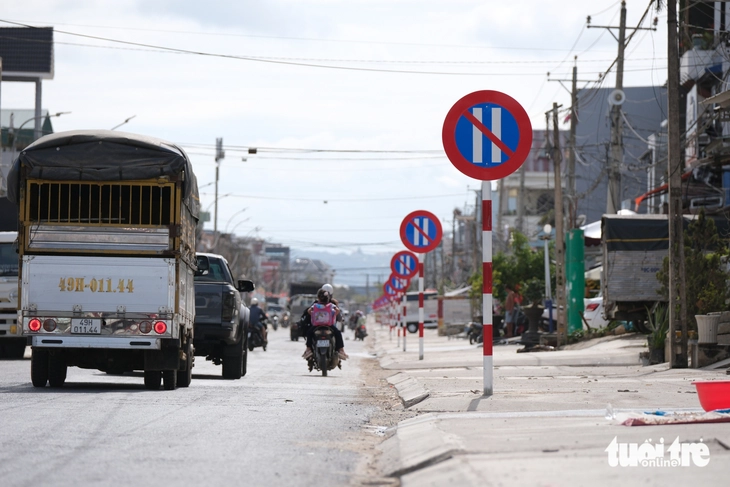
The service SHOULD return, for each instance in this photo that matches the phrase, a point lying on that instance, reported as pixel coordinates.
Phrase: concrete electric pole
(677, 287)
(557, 157)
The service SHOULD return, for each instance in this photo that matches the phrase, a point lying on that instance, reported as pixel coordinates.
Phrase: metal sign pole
(420, 306)
(405, 321)
(487, 287)
(399, 324)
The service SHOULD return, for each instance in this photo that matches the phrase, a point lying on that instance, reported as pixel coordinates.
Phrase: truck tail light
(49, 324)
(145, 327)
(160, 327)
(229, 304)
(34, 324)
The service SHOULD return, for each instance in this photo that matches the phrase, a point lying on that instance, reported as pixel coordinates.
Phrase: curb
(410, 391)
(416, 444)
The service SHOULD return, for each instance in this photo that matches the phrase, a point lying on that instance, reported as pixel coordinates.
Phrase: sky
(343, 100)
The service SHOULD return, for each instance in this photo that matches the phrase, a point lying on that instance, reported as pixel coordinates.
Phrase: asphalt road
(279, 425)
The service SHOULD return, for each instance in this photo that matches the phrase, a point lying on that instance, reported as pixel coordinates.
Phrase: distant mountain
(353, 268)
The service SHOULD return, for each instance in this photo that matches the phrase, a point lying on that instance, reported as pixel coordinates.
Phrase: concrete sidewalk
(546, 423)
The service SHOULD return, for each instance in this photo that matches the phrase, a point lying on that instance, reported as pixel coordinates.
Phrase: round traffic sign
(389, 290)
(421, 231)
(487, 135)
(404, 264)
(398, 283)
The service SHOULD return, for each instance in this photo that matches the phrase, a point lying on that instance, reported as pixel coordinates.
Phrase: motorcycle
(474, 332)
(256, 338)
(275, 322)
(296, 331)
(324, 356)
(361, 332)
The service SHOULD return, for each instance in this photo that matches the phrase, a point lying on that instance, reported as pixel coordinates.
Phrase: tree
(521, 265)
(706, 277)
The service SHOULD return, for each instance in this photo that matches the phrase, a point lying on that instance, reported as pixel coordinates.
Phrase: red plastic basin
(713, 394)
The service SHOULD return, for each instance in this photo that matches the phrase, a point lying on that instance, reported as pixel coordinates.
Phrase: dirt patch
(388, 411)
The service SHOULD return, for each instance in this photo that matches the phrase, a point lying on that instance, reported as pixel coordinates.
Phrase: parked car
(593, 313)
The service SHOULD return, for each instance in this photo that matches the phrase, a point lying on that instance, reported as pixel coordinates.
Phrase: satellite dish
(617, 97)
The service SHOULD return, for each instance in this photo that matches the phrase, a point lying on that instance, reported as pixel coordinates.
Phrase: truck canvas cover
(103, 155)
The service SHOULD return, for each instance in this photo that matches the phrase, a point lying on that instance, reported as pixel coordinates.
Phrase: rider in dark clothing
(257, 318)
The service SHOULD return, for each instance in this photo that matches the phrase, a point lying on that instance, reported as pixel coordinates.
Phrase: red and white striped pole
(398, 323)
(420, 307)
(487, 287)
(404, 323)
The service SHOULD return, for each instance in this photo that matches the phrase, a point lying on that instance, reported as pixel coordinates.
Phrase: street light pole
(219, 154)
(547, 233)
(12, 131)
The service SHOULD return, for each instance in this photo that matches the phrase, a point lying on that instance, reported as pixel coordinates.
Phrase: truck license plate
(323, 343)
(86, 326)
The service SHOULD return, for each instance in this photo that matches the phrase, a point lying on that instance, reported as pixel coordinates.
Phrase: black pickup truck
(221, 318)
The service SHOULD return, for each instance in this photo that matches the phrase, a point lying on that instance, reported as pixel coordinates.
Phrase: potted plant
(658, 323)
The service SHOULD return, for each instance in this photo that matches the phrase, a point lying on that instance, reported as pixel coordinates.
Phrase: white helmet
(254, 302)
(328, 288)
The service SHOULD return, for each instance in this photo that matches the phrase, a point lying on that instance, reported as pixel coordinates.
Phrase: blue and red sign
(398, 283)
(404, 264)
(421, 231)
(389, 290)
(487, 135)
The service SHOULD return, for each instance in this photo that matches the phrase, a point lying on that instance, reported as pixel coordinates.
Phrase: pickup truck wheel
(244, 362)
(412, 327)
(152, 379)
(57, 369)
(39, 368)
(169, 379)
(233, 361)
(184, 377)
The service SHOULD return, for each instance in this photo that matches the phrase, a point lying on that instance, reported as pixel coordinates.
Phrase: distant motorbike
(256, 338)
(324, 357)
(361, 332)
(275, 322)
(296, 331)
(474, 332)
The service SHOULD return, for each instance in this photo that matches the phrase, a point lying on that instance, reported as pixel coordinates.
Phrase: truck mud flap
(168, 358)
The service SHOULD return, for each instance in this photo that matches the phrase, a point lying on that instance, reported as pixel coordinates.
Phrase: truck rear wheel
(152, 379)
(233, 360)
(39, 367)
(57, 370)
(184, 377)
(169, 380)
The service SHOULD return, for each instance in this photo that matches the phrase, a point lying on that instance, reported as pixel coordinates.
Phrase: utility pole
(613, 198)
(219, 154)
(677, 287)
(520, 223)
(559, 232)
(571, 158)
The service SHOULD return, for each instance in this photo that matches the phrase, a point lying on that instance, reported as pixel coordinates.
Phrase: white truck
(12, 342)
(107, 255)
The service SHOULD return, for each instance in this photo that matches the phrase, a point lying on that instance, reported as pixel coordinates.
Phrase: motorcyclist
(324, 297)
(257, 319)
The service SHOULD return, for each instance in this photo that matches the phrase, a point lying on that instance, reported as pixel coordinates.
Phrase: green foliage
(705, 257)
(520, 266)
(533, 291)
(658, 323)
